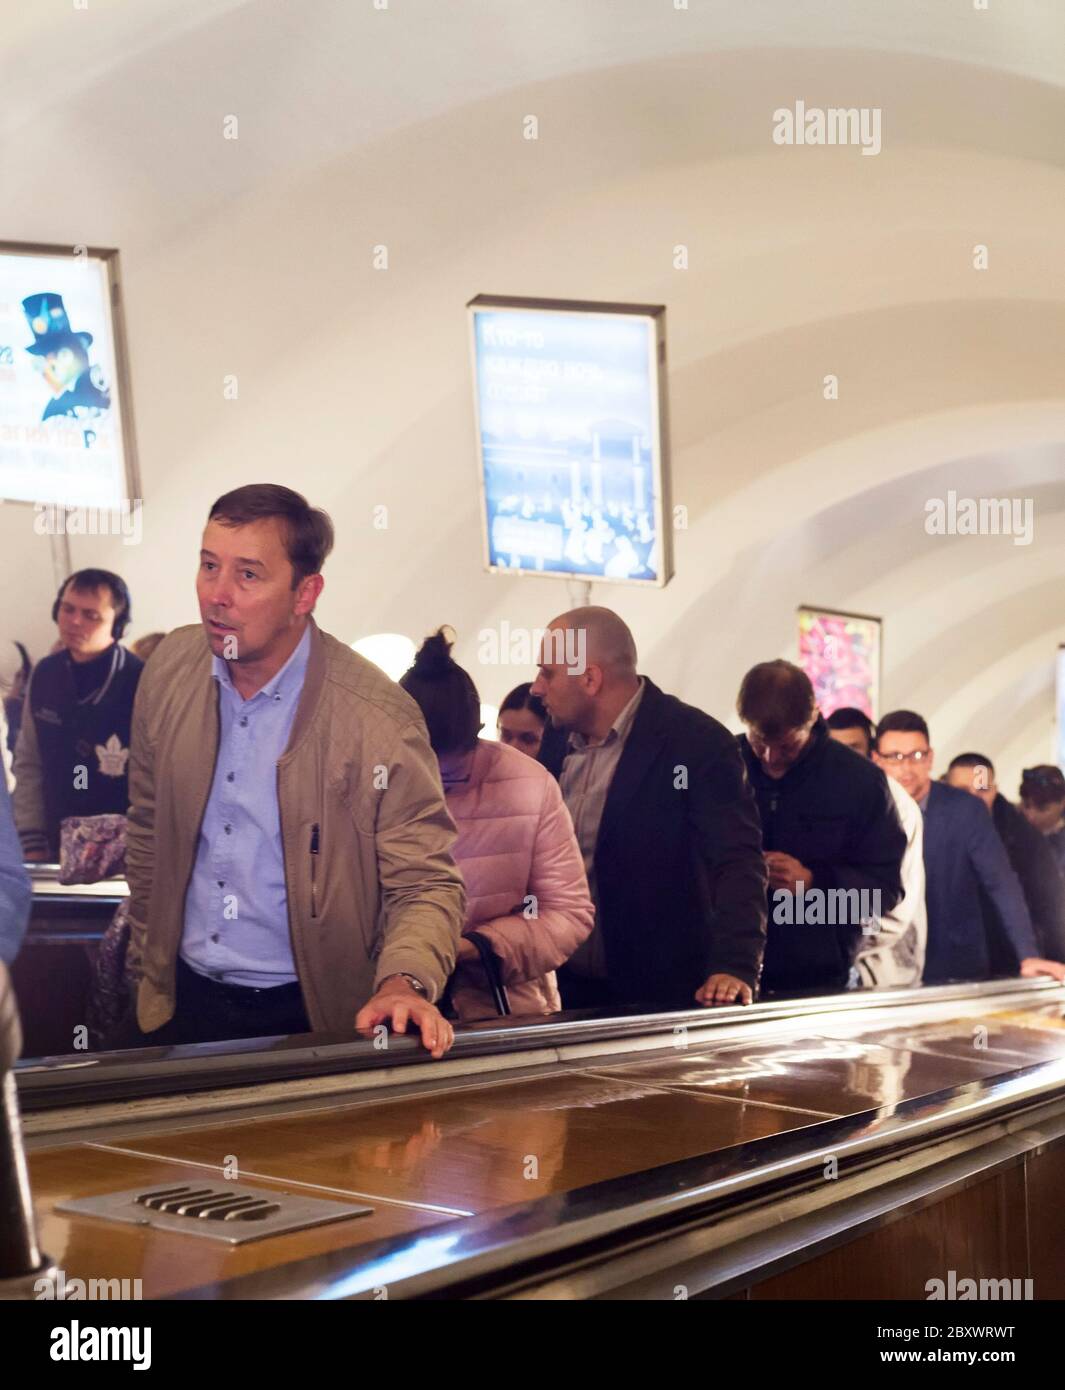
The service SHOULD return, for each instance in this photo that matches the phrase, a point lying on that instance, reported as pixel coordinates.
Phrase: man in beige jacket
(289, 847)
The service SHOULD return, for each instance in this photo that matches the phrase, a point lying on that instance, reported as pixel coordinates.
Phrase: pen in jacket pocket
(314, 870)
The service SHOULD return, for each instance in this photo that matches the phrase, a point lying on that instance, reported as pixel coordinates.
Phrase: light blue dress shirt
(15, 889)
(236, 907)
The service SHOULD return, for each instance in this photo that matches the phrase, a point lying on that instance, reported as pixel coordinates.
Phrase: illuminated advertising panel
(840, 652)
(65, 432)
(572, 438)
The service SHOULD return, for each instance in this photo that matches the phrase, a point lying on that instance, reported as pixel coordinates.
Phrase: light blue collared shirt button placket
(236, 909)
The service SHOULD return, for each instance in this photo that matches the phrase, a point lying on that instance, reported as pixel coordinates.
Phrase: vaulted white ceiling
(360, 126)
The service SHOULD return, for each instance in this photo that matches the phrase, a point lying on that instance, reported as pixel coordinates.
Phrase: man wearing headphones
(73, 747)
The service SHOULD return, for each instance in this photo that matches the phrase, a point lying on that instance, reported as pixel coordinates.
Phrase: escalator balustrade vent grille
(210, 1203)
(220, 1210)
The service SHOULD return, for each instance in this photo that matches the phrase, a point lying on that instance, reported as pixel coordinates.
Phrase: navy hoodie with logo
(72, 754)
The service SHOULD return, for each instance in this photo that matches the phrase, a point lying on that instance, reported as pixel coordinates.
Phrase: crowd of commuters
(311, 846)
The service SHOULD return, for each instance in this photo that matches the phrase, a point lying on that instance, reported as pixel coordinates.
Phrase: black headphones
(100, 579)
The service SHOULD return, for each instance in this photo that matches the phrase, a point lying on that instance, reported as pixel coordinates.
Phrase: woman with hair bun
(527, 892)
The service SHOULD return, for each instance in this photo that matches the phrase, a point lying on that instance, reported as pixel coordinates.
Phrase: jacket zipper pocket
(314, 870)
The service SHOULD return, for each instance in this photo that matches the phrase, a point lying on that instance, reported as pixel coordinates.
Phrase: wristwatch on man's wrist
(415, 984)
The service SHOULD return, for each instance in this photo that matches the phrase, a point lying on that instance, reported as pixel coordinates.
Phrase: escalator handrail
(85, 1079)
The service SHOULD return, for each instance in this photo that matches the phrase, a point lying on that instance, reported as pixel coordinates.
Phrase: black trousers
(208, 1011)
(583, 991)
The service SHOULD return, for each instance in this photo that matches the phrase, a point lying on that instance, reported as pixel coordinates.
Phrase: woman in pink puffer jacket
(525, 883)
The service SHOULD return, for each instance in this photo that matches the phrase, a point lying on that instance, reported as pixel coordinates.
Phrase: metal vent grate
(211, 1202)
(222, 1211)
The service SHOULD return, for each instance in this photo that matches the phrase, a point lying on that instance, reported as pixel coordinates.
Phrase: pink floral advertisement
(840, 652)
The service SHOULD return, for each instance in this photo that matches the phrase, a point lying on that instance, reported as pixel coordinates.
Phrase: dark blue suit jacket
(962, 853)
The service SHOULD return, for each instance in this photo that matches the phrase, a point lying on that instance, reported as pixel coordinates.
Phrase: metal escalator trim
(745, 1247)
(470, 1252)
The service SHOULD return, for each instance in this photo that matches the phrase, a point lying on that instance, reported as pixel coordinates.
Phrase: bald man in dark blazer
(667, 825)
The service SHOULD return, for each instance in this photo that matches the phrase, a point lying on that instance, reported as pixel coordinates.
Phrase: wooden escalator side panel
(834, 1076)
(88, 1248)
(484, 1147)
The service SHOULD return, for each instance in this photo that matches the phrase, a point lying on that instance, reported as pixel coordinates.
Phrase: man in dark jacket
(832, 837)
(962, 855)
(73, 747)
(1030, 855)
(1042, 794)
(666, 824)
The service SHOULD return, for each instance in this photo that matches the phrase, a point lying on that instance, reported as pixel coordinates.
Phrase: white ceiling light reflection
(391, 651)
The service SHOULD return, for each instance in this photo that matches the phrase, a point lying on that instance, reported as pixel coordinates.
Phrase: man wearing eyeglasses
(892, 950)
(962, 853)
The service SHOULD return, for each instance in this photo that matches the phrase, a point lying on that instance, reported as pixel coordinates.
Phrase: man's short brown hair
(307, 530)
(902, 721)
(776, 697)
